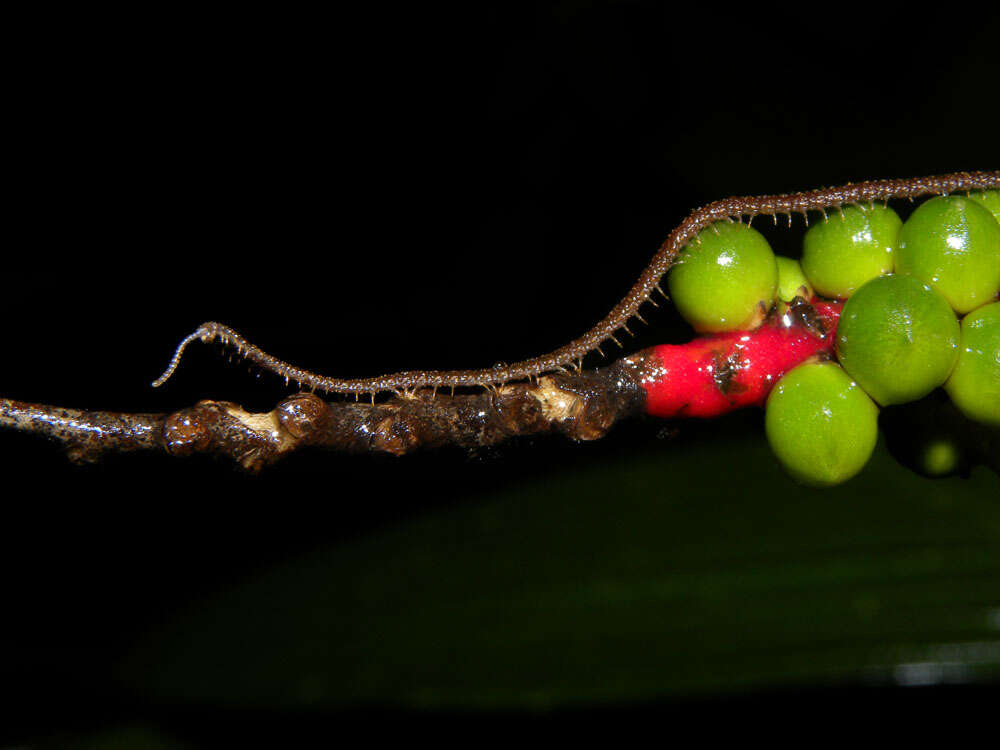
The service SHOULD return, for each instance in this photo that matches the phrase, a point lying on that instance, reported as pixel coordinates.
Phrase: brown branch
(582, 406)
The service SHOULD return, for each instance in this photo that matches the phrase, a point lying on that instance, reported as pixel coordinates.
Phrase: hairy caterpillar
(572, 354)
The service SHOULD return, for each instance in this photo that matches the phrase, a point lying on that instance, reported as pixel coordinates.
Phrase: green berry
(726, 279)
(792, 282)
(940, 458)
(953, 244)
(990, 199)
(974, 386)
(898, 338)
(821, 426)
(930, 436)
(845, 250)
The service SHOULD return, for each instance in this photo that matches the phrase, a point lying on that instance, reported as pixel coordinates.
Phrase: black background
(366, 191)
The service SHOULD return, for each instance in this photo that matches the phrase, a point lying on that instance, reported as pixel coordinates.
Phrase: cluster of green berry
(921, 312)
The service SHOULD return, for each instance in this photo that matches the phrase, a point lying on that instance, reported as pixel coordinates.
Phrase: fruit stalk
(716, 374)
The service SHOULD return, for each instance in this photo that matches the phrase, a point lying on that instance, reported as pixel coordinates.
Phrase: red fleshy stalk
(716, 374)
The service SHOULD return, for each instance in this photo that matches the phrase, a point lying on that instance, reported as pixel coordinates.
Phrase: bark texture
(581, 406)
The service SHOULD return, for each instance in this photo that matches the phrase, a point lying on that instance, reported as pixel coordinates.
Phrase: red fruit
(716, 374)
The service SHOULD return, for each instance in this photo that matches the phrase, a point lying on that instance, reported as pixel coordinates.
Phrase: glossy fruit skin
(845, 250)
(725, 280)
(792, 282)
(821, 425)
(898, 338)
(974, 386)
(988, 199)
(715, 374)
(953, 244)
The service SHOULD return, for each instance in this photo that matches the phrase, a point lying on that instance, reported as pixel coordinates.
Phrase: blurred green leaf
(684, 568)
(118, 738)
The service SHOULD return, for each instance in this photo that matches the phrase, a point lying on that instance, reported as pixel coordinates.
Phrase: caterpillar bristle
(688, 232)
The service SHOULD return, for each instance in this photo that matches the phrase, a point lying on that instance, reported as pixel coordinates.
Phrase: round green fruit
(989, 199)
(941, 458)
(974, 386)
(930, 436)
(953, 244)
(792, 282)
(725, 280)
(898, 338)
(821, 426)
(845, 250)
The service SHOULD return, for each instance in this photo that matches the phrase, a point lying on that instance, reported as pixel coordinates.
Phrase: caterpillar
(572, 354)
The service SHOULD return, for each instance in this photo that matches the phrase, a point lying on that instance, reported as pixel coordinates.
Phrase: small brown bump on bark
(518, 411)
(594, 418)
(394, 435)
(594, 401)
(187, 431)
(303, 414)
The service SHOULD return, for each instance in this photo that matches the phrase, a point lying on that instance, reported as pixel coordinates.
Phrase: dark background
(367, 191)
